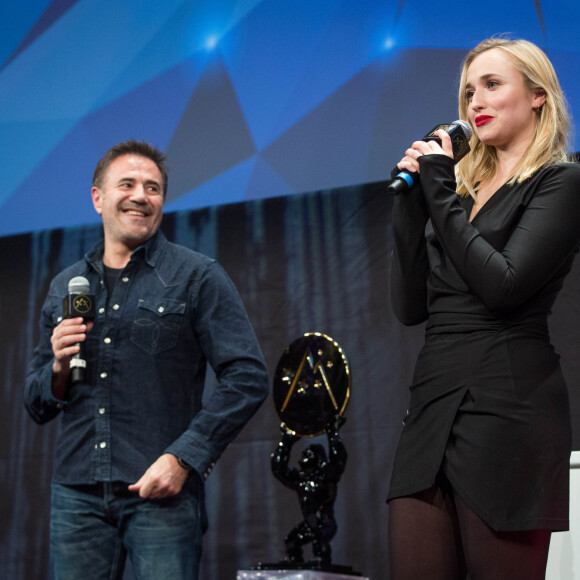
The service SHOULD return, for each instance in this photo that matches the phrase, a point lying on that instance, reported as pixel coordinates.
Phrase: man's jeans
(94, 527)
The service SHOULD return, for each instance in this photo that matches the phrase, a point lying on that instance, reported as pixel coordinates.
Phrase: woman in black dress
(481, 474)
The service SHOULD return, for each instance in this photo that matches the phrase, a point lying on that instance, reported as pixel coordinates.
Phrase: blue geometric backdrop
(250, 98)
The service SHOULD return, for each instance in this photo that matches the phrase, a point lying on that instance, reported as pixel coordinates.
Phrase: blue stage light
(389, 43)
(211, 42)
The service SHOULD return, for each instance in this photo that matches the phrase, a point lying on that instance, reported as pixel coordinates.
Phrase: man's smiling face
(130, 202)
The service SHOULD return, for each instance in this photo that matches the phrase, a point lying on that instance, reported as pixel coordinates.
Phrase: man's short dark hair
(131, 147)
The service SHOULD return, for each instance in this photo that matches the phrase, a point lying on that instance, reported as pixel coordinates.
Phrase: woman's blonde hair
(552, 126)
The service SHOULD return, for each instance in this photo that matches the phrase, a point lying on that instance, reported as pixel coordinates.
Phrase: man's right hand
(65, 338)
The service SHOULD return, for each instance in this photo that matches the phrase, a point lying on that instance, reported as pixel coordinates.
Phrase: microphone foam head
(79, 285)
(465, 127)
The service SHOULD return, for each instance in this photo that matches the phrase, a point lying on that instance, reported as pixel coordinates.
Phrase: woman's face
(500, 106)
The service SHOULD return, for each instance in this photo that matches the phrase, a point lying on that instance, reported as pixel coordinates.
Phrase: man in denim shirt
(136, 442)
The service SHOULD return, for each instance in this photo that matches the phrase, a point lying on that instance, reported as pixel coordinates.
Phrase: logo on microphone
(79, 305)
(82, 304)
(460, 146)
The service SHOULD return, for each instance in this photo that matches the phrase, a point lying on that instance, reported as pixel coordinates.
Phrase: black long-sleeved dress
(488, 404)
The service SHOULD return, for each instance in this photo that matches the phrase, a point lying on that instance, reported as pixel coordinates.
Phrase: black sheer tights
(434, 535)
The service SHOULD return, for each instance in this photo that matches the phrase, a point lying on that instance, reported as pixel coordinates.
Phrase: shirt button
(101, 310)
(103, 375)
(161, 309)
(102, 444)
(102, 411)
(125, 279)
(59, 319)
(107, 340)
(116, 307)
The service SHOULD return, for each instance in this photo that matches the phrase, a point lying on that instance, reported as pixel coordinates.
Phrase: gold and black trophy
(311, 390)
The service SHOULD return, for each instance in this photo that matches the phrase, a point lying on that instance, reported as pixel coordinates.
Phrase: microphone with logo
(460, 133)
(79, 303)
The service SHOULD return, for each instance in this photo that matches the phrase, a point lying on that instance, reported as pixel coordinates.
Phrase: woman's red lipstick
(482, 119)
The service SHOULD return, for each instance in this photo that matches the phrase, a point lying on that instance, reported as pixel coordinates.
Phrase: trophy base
(313, 565)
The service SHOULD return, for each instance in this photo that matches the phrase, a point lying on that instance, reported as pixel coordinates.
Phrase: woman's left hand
(410, 162)
(433, 147)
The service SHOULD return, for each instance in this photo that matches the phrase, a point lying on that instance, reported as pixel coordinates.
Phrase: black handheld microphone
(460, 133)
(78, 303)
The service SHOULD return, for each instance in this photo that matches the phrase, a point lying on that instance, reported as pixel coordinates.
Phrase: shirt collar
(151, 250)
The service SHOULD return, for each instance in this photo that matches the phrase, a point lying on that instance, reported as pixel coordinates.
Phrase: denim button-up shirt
(171, 311)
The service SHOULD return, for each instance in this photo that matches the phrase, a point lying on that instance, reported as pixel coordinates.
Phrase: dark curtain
(304, 263)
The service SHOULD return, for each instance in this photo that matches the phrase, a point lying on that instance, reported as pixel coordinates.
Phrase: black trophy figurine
(311, 391)
(315, 482)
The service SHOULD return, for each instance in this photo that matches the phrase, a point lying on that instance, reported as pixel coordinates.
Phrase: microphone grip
(77, 375)
(78, 365)
(402, 182)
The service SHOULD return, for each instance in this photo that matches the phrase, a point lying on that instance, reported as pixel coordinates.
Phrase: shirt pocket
(156, 326)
